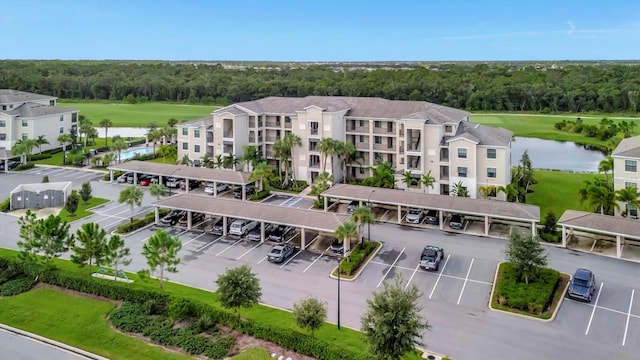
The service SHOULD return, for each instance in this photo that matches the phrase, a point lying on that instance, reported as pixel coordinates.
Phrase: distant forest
(606, 88)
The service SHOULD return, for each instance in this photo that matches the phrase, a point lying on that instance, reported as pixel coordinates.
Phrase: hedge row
(140, 223)
(4, 206)
(25, 166)
(40, 156)
(352, 262)
(533, 297)
(260, 195)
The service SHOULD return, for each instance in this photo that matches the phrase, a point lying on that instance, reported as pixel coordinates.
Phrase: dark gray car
(583, 285)
(280, 253)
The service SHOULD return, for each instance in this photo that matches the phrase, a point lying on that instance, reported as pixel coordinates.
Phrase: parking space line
(294, 202)
(626, 327)
(428, 272)
(54, 171)
(246, 252)
(286, 242)
(412, 275)
(318, 258)
(390, 267)
(465, 282)
(594, 308)
(195, 238)
(291, 258)
(439, 276)
(229, 247)
(208, 244)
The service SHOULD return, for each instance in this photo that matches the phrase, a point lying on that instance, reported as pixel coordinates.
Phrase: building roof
(308, 219)
(182, 171)
(480, 207)
(365, 107)
(34, 110)
(629, 147)
(8, 96)
(196, 122)
(6, 154)
(483, 135)
(601, 223)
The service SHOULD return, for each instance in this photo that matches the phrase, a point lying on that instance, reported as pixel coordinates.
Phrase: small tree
(550, 222)
(161, 251)
(131, 195)
(71, 205)
(362, 215)
(156, 190)
(28, 245)
(526, 254)
(117, 254)
(52, 237)
(90, 246)
(85, 192)
(345, 232)
(45, 179)
(239, 288)
(310, 314)
(392, 323)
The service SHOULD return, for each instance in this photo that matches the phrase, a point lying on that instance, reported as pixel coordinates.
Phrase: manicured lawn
(558, 191)
(83, 209)
(77, 321)
(542, 126)
(253, 354)
(168, 160)
(138, 115)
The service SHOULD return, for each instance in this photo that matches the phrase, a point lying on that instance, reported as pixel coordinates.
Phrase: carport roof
(601, 223)
(308, 219)
(492, 208)
(182, 171)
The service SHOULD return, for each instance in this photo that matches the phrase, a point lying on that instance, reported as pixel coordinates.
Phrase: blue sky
(327, 30)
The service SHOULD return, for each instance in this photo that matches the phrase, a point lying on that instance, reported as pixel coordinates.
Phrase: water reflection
(557, 155)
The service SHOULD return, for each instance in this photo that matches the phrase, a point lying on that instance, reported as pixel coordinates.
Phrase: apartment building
(414, 136)
(192, 138)
(25, 115)
(626, 158)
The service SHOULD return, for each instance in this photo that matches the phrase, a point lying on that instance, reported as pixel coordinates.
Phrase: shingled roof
(629, 147)
(483, 135)
(34, 110)
(181, 171)
(8, 96)
(601, 223)
(197, 122)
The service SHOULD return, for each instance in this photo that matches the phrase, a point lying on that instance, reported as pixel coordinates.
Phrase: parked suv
(456, 222)
(242, 227)
(583, 285)
(432, 217)
(218, 227)
(12, 164)
(279, 233)
(431, 257)
(220, 187)
(172, 217)
(414, 216)
(172, 182)
(126, 178)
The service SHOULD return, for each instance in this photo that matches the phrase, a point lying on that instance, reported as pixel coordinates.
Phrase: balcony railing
(314, 131)
(228, 133)
(414, 147)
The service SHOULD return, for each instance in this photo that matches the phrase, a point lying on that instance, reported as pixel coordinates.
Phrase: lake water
(557, 155)
(123, 131)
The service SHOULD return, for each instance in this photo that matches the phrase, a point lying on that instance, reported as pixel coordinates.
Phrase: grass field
(138, 115)
(82, 209)
(77, 321)
(558, 191)
(542, 126)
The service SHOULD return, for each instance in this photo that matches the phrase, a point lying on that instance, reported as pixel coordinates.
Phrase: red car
(144, 181)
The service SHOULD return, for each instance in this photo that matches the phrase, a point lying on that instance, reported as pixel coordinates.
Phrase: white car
(173, 182)
(220, 187)
(242, 227)
(414, 216)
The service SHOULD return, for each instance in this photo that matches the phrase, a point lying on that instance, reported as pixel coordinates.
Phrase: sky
(320, 30)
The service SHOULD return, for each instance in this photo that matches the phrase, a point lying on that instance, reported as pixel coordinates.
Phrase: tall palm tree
(107, 159)
(172, 122)
(118, 144)
(345, 232)
(63, 139)
(131, 195)
(250, 157)
(599, 195)
(407, 179)
(485, 191)
(320, 184)
(41, 140)
(630, 197)
(167, 151)
(291, 141)
(156, 190)
(231, 161)
(106, 124)
(85, 128)
(218, 163)
(605, 166)
(20, 148)
(153, 136)
(362, 215)
(349, 155)
(261, 172)
(428, 181)
(280, 153)
(327, 147)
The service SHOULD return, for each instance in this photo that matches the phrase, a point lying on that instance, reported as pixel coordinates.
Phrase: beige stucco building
(414, 136)
(25, 115)
(626, 158)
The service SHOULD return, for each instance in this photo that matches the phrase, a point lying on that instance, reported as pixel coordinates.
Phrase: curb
(50, 342)
(355, 277)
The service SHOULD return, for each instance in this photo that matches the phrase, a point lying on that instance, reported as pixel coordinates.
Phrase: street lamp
(369, 223)
(339, 271)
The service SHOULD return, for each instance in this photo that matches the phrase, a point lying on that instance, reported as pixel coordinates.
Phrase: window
(462, 171)
(378, 139)
(361, 123)
(378, 123)
(25, 136)
(491, 172)
(196, 133)
(25, 123)
(313, 126)
(61, 130)
(185, 131)
(74, 117)
(3, 123)
(52, 103)
(313, 144)
(448, 128)
(462, 153)
(630, 166)
(4, 107)
(3, 136)
(491, 153)
(633, 211)
(61, 117)
(196, 148)
(361, 171)
(361, 138)
(185, 146)
(630, 184)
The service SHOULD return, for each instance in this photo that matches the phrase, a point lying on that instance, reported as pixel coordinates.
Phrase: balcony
(228, 134)
(272, 138)
(362, 145)
(313, 131)
(384, 147)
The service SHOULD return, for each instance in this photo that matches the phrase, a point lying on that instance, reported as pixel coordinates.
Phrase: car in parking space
(352, 206)
(337, 246)
(220, 187)
(456, 221)
(279, 232)
(582, 286)
(11, 164)
(237, 193)
(193, 184)
(195, 219)
(172, 182)
(242, 227)
(431, 257)
(218, 226)
(432, 217)
(155, 179)
(172, 217)
(144, 180)
(255, 234)
(280, 253)
(414, 216)
(126, 177)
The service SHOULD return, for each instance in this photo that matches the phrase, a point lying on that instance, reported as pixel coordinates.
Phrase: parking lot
(289, 201)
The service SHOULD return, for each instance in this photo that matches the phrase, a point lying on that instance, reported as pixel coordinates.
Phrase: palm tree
(320, 184)
(20, 148)
(206, 160)
(407, 179)
(167, 151)
(41, 140)
(85, 128)
(172, 122)
(153, 136)
(107, 159)
(428, 181)
(118, 144)
(168, 133)
(599, 195)
(106, 124)
(345, 232)
(96, 160)
(131, 195)
(218, 163)
(63, 139)
(261, 172)
(486, 190)
(290, 141)
(280, 153)
(382, 177)
(231, 161)
(605, 166)
(250, 156)
(349, 155)
(185, 160)
(327, 147)
(511, 191)
(460, 190)
(362, 215)
(157, 190)
(630, 197)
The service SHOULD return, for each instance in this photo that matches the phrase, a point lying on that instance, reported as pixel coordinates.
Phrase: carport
(263, 213)
(5, 156)
(489, 209)
(619, 227)
(185, 172)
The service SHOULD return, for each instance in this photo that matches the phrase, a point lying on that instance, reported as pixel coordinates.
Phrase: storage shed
(40, 195)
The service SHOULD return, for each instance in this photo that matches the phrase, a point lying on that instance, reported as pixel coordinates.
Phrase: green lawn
(253, 354)
(558, 191)
(138, 115)
(83, 209)
(77, 321)
(542, 126)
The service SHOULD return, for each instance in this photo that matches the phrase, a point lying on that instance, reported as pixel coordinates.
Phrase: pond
(557, 155)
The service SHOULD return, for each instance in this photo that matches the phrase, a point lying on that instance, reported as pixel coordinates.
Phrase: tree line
(476, 87)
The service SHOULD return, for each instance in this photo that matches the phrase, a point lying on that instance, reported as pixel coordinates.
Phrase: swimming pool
(129, 154)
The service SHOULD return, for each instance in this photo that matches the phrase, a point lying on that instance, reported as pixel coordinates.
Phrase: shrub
(40, 156)
(533, 297)
(153, 307)
(260, 195)
(352, 262)
(4, 206)
(45, 179)
(194, 344)
(163, 332)
(220, 348)
(26, 166)
(17, 285)
(129, 317)
(140, 223)
(180, 308)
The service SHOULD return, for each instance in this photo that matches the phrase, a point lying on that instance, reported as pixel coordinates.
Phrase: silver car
(431, 257)
(280, 253)
(414, 216)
